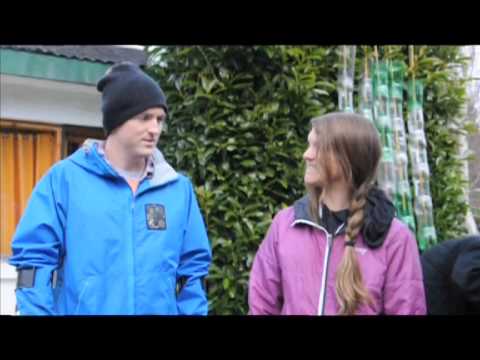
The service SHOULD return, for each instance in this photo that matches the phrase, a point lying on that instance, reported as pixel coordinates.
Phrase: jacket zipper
(330, 238)
(326, 260)
(131, 257)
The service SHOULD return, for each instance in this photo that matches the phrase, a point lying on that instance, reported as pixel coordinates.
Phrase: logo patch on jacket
(361, 251)
(155, 214)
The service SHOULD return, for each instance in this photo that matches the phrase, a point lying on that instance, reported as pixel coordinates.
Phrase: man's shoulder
(58, 168)
(177, 182)
(184, 179)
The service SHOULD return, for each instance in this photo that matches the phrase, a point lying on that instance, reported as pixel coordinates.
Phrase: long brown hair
(353, 142)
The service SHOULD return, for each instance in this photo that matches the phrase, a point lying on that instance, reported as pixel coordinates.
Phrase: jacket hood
(88, 157)
(379, 214)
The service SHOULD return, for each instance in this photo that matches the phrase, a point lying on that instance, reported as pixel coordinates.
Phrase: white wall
(48, 101)
(8, 279)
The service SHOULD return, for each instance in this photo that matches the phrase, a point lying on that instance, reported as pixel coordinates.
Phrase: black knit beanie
(127, 91)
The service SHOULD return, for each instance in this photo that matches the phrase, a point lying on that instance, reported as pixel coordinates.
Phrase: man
(113, 229)
(451, 272)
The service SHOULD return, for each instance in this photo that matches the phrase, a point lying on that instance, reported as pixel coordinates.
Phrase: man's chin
(146, 152)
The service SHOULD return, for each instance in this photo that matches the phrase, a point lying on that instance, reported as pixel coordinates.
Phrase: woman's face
(316, 164)
(313, 172)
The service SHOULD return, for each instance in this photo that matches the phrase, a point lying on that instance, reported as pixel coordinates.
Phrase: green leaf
(226, 283)
(248, 163)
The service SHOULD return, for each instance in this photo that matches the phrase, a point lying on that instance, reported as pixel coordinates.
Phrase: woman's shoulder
(284, 217)
(399, 234)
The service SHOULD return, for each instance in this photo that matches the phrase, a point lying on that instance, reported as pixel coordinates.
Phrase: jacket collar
(379, 214)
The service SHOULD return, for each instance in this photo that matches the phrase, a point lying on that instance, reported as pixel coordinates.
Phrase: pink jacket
(294, 270)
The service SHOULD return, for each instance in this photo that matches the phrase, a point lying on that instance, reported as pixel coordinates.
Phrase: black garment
(379, 213)
(451, 272)
(332, 220)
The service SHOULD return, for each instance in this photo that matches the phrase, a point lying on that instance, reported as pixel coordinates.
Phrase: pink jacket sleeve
(404, 292)
(265, 289)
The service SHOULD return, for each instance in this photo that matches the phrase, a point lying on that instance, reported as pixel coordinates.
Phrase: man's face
(140, 134)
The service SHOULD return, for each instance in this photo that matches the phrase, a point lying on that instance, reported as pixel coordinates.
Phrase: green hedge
(238, 122)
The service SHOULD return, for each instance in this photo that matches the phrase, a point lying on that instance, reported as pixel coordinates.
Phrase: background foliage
(238, 122)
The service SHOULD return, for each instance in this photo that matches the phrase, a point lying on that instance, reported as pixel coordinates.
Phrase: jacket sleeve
(37, 244)
(265, 289)
(195, 261)
(404, 292)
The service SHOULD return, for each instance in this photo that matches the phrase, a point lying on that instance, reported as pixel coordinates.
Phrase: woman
(338, 250)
